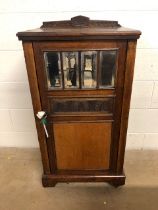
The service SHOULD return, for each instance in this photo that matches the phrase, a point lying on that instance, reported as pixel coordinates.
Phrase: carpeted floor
(21, 189)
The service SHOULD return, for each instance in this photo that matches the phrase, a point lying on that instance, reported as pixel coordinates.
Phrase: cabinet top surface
(79, 28)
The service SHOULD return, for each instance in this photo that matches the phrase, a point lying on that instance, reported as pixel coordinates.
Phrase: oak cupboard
(80, 73)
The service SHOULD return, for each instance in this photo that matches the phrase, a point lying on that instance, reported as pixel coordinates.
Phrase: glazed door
(81, 87)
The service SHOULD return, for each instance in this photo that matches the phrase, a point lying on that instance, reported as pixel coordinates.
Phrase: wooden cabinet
(80, 74)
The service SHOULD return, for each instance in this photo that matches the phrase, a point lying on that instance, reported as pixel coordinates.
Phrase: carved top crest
(79, 28)
(81, 21)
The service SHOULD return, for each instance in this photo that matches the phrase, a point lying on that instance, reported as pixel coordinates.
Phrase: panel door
(81, 87)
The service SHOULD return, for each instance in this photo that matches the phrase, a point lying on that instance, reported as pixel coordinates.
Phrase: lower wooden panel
(82, 146)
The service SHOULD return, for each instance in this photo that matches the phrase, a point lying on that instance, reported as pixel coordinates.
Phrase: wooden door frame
(41, 47)
(36, 102)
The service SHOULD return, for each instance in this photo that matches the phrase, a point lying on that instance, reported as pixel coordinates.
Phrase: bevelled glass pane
(53, 69)
(89, 69)
(70, 69)
(107, 68)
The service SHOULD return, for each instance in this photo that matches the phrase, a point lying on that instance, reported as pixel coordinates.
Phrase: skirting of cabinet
(52, 179)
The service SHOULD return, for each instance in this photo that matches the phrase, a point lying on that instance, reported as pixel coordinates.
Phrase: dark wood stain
(31, 71)
(87, 127)
(126, 102)
(104, 105)
(79, 28)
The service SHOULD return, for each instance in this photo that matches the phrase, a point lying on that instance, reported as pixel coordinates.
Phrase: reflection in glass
(107, 68)
(53, 67)
(70, 69)
(88, 69)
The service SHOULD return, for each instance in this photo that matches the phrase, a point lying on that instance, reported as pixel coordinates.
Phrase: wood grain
(79, 28)
(82, 145)
(126, 102)
(32, 77)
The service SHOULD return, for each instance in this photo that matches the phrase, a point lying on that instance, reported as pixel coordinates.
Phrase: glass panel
(107, 68)
(70, 69)
(53, 69)
(88, 69)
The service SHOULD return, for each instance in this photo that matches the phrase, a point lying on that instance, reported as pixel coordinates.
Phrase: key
(44, 122)
(42, 116)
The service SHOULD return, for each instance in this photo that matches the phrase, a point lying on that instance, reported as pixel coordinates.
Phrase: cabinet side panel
(122, 46)
(32, 77)
(129, 71)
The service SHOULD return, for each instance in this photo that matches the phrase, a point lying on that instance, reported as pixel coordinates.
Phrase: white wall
(17, 126)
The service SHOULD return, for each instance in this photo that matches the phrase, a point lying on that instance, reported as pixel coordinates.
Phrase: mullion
(98, 69)
(62, 71)
(80, 71)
